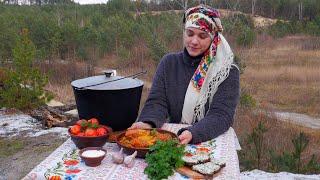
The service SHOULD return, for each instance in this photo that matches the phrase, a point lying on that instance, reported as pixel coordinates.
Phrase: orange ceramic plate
(141, 151)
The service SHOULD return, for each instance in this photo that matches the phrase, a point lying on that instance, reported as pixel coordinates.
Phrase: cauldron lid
(122, 83)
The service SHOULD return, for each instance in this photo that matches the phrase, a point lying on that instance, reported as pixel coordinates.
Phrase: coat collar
(189, 60)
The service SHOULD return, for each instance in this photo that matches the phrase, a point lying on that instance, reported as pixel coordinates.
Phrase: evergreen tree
(23, 88)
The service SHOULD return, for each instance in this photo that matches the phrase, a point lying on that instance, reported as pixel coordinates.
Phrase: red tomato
(105, 127)
(93, 121)
(82, 123)
(75, 129)
(90, 132)
(80, 134)
(101, 131)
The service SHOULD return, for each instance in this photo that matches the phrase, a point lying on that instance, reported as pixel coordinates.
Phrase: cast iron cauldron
(115, 103)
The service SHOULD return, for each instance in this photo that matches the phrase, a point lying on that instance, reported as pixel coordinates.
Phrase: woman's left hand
(185, 137)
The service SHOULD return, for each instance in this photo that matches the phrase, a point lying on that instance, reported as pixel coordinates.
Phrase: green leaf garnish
(164, 157)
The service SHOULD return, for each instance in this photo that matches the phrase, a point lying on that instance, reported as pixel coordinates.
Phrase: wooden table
(66, 163)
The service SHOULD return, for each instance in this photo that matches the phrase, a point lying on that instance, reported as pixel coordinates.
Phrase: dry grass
(138, 61)
(61, 92)
(61, 74)
(2, 76)
(278, 136)
(284, 73)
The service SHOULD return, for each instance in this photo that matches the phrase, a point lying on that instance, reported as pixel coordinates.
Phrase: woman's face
(196, 41)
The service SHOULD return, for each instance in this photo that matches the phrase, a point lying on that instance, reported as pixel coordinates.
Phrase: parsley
(165, 156)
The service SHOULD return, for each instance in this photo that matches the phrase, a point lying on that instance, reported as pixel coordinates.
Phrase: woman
(198, 86)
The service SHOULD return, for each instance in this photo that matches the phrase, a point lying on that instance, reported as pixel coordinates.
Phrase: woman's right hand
(140, 125)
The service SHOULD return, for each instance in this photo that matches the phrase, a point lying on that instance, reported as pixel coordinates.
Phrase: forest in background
(69, 31)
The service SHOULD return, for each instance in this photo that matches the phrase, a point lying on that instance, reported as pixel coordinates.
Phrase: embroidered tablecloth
(65, 163)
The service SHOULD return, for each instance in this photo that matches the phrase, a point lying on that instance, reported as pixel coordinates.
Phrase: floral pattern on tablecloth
(67, 169)
(65, 163)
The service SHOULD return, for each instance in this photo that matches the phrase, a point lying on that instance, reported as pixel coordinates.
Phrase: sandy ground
(299, 119)
(24, 144)
(34, 150)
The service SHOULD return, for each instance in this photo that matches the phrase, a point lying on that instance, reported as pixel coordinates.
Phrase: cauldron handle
(138, 74)
(133, 76)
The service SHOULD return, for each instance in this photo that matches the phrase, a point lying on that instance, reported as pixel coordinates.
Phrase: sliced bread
(208, 168)
(191, 160)
(219, 162)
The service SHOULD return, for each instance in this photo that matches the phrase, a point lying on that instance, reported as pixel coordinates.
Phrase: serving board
(187, 171)
(204, 147)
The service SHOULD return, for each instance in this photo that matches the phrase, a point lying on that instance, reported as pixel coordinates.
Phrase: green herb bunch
(164, 157)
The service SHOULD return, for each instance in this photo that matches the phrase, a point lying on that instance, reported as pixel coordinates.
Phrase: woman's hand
(185, 137)
(140, 125)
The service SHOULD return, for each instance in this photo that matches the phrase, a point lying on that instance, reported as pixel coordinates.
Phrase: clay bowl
(85, 141)
(141, 152)
(92, 161)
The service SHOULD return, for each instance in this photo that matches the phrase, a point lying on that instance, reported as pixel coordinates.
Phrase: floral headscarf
(204, 17)
(214, 66)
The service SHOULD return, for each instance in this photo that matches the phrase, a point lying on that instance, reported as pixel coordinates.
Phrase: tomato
(82, 123)
(109, 129)
(90, 132)
(101, 131)
(80, 134)
(75, 129)
(93, 121)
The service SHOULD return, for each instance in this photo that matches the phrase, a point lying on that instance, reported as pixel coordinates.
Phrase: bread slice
(219, 162)
(191, 160)
(208, 168)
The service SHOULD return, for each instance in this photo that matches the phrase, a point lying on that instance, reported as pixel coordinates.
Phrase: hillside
(259, 21)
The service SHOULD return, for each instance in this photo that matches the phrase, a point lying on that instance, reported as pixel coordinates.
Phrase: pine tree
(23, 88)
